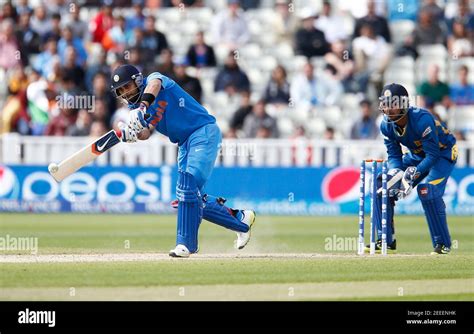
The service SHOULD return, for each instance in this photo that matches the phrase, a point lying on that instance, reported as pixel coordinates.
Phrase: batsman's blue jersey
(427, 139)
(175, 113)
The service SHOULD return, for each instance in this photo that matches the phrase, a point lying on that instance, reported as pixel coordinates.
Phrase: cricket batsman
(157, 102)
(431, 157)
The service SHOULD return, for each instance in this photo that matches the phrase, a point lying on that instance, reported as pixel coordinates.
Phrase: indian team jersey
(174, 113)
(426, 138)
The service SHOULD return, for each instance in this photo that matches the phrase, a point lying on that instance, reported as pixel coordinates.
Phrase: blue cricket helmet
(394, 96)
(122, 76)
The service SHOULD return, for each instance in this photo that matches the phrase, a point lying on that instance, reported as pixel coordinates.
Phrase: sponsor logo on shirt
(426, 132)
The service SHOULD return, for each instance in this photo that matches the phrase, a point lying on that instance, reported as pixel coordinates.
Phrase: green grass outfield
(124, 257)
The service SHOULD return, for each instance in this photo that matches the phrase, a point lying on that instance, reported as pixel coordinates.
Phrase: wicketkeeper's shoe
(243, 238)
(180, 251)
(391, 248)
(440, 250)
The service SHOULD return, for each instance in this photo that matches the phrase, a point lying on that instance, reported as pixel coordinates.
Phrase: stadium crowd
(265, 69)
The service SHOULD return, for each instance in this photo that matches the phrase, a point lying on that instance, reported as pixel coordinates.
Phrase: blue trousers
(197, 155)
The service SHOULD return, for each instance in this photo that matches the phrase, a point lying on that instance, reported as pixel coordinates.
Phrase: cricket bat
(81, 158)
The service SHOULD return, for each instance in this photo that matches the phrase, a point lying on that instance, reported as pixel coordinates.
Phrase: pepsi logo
(341, 185)
(8, 183)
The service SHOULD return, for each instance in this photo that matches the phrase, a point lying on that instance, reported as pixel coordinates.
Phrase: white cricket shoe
(243, 238)
(180, 251)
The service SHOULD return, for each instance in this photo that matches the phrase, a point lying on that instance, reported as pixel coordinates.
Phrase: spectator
(100, 66)
(102, 22)
(229, 28)
(342, 60)
(329, 133)
(300, 154)
(115, 39)
(303, 90)
(42, 104)
(329, 89)
(135, 40)
(278, 88)
(245, 108)
(13, 115)
(105, 100)
(72, 68)
(365, 127)
(136, 20)
(200, 54)
(28, 40)
(284, 24)
(402, 10)
(9, 56)
(327, 153)
(98, 128)
(459, 43)
(231, 78)
(371, 54)
(60, 7)
(154, 41)
(407, 48)
(59, 125)
(8, 11)
(432, 7)
(100, 113)
(22, 7)
(190, 84)
(378, 23)
(82, 127)
(299, 133)
(166, 65)
(55, 31)
(264, 131)
(433, 88)
(428, 31)
(73, 20)
(260, 123)
(40, 23)
(462, 93)
(68, 88)
(330, 24)
(465, 16)
(310, 41)
(68, 39)
(135, 59)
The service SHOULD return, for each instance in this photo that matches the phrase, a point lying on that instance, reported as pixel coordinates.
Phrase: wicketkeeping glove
(409, 177)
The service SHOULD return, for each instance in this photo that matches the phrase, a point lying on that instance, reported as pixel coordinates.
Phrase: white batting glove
(129, 135)
(137, 118)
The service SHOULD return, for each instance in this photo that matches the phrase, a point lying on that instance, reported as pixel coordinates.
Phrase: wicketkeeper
(431, 157)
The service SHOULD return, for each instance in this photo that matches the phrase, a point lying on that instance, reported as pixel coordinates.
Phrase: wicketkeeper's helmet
(394, 96)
